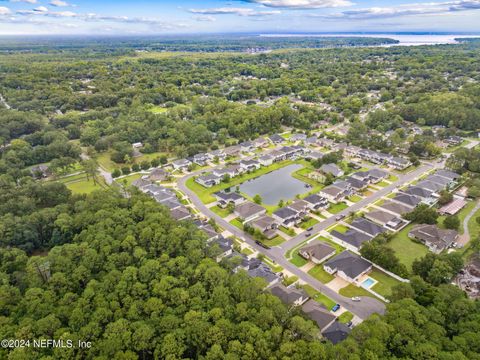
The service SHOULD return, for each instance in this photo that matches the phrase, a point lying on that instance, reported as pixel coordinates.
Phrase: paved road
(465, 238)
(363, 309)
(403, 179)
(106, 175)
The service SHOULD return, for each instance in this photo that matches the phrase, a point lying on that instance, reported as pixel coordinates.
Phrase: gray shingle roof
(349, 263)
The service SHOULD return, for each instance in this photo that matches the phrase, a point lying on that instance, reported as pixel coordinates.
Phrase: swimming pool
(368, 283)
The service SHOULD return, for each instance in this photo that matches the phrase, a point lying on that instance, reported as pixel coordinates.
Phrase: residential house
(433, 237)
(276, 139)
(142, 182)
(385, 219)
(266, 160)
(453, 207)
(396, 208)
(325, 142)
(298, 137)
(260, 142)
(249, 165)
(249, 211)
(322, 317)
(398, 163)
(409, 200)
(200, 159)
(445, 182)
(318, 176)
(232, 151)
(419, 192)
(336, 332)
(159, 174)
(222, 172)
(219, 153)
(367, 227)
(181, 164)
(208, 180)
(247, 146)
(348, 266)
(377, 175)
(314, 155)
(266, 224)
(332, 169)
(172, 204)
(316, 202)
(287, 217)
(352, 237)
(264, 272)
(448, 174)
(225, 198)
(317, 252)
(224, 245)
(352, 150)
(40, 171)
(333, 193)
(454, 140)
(357, 185)
(181, 213)
(311, 141)
(278, 155)
(431, 186)
(289, 296)
(300, 206)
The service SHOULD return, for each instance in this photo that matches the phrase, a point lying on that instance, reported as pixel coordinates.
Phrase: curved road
(363, 309)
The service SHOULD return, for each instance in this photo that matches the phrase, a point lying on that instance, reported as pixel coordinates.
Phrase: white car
(356, 298)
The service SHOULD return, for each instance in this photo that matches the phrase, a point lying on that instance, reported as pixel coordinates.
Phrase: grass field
(382, 184)
(297, 260)
(405, 248)
(336, 208)
(473, 226)
(277, 240)
(320, 274)
(345, 317)
(319, 297)
(219, 211)
(308, 223)
(352, 290)
(340, 228)
(355, 198)
(385, 283)
(128, 180)
(84, 186)
(237, 223)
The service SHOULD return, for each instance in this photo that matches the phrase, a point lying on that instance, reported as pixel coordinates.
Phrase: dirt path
(465, 237)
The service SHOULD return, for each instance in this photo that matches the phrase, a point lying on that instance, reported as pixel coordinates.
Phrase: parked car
(310, 228)
(339, 217)
(308, 234)
(336, 307)
(356, 298)
(262, 245)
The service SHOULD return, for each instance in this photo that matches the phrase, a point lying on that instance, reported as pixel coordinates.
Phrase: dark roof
(380, 216)
(288, 295)
(315, 199)
(352, 237)
(349, 263)
(367, 227)
(395, 207)
(276, 138)
(180, 213)
(331, 168)
(447, 174)
(432, 234)
(408, 199)
(224, 244)
(336, 332)
(248, 209)
(418, 191)
(230, 196)
(264, 272)
(429, 185)
(285, 213)
(438, 179)
(356, 184)
(321, 316)
(377, 173)
(318, 250)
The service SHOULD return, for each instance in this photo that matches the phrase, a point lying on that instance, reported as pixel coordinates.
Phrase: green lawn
(237, 223)
(463, 214)
(345, 317)
(340, 228)
(385, 283)
(289, 232)
(320, 274)
(405, 248)
(277, 240)
(128, 180)
(72, 178)
(297, 260)
(84, 186)
(383, 184)
(392, 178)
(308, 223)
(355, 198)
(319, 297)
(336, 208)
(157, 109)
(219, 211)
(105, 162)
(246, 251)
(289, 280)
(352, 290)
(473, 226)
(338, 248)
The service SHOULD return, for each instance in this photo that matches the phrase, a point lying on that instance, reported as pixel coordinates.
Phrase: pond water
(275, 186)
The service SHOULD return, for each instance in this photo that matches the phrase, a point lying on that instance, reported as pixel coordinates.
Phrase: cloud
(205, 18)
(233, 11)
(4, 11)
(433, 8)
(59, 3)
(302, 4)
(26, 1)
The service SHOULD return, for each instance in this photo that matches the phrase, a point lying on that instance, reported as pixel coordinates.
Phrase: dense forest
(185, 104)
(137, 284)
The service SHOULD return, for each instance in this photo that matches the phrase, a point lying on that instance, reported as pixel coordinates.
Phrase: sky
(143, 17)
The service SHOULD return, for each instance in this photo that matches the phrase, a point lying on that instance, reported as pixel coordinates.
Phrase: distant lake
(275, 186)
(404, 39)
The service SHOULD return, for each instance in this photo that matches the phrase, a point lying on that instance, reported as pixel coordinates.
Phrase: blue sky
(121, 17)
